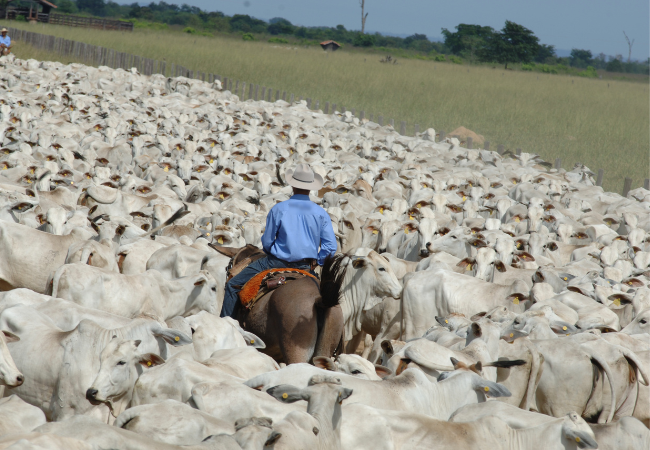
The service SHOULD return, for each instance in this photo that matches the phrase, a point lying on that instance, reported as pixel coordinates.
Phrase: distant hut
(38, 10)
(330, 45)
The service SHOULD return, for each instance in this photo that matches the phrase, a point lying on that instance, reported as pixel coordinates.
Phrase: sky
(595, 25)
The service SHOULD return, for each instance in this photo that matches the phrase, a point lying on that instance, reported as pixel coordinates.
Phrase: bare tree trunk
(629, 46)
(363, 17)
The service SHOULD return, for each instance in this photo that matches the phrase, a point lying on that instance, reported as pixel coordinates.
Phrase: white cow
(148, 294)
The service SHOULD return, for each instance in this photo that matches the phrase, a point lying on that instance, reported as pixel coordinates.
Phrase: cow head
(9, 374)
(427, 228)
(118, 370)
(576, 430)
(204, 295)
(375, 274)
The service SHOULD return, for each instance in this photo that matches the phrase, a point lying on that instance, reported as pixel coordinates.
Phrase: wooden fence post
(270, 99)
(250, 91)
(416, 129)
(308, 103)
(646, 184)
(257, 89)
(371, 117)
(380, 120)
(362, 114)
(326, 108)
(627, 185)
(277, 95)
(558, 163)
(263, 96)
(599, 179)
(317, 106)
(500, 149)
(518, 151)
(402, 128)
(284, 96)
(470, 143)
(353, 111)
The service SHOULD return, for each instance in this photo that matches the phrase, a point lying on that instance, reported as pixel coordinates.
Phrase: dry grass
(602, 123)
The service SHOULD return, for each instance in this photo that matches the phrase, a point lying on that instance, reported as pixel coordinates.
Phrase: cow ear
(382, 372)
(150, 360)
(499, 266)
(136, 343)
(387, 347)
(466, 263)
(476, 330)
(359, 263)
(489, 388)
(344, 393)
(272, 439)
(552, 246)
(10, 337)
(323, 362)
(120, 230)
(200, 281)
(477, 316)
(286, 393)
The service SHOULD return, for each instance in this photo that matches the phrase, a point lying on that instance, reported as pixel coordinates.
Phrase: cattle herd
(489, 301)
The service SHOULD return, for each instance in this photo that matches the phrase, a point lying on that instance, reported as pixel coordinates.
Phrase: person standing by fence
(5, 43)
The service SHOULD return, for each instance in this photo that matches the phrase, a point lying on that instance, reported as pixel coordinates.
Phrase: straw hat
(302, 177)
(4, 30)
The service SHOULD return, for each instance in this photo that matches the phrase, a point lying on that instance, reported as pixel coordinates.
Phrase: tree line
(513, 44)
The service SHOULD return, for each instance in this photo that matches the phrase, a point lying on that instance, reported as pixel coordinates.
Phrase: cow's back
(28, 257)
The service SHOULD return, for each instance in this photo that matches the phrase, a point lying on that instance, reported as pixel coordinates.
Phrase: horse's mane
(332, 278)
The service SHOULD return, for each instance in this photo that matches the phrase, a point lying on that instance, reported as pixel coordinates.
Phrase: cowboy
(5, 43)
(294, 231)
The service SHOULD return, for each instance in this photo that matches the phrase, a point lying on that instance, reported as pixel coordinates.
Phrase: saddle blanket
(256, 287)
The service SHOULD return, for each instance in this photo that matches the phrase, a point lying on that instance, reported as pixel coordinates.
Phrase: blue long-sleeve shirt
(295, 228)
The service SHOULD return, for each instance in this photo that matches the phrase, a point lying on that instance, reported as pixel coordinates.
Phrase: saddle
(267, 281)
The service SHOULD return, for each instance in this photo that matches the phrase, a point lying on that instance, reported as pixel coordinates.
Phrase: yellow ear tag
(486, 389)
(469, 267)
(617, 302)
(565, 278)
(517, 219)
(512, 334)
(411, 218)
(220, 240)
(375, 231)
(177, 338)
(211, 161)
(285, 395)
(381, 210)
(221, 196)
(446, 321)
(577, 439)
(166, 169)
(252, 341)
(406, 230)
(464, 198)
(563, 328)
(148, 363)
(515, 300)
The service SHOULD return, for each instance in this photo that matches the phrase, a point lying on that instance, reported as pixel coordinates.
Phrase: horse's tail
(332, 280)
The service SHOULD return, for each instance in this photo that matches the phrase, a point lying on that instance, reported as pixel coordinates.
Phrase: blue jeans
(238, 281)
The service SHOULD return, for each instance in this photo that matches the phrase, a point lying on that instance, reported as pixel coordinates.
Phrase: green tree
(544, 53)
(580, 58)
(456, 42)
(472, 44)
(514, 44)
(94, 7)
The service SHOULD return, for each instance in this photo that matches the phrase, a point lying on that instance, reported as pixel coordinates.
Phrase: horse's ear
(227, 251)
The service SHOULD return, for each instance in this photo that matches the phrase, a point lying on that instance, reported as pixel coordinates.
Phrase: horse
(298, 320)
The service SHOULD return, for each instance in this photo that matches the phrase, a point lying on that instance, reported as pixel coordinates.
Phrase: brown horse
(300, 319)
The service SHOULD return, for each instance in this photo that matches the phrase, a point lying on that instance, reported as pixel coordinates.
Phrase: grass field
(601, 123)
